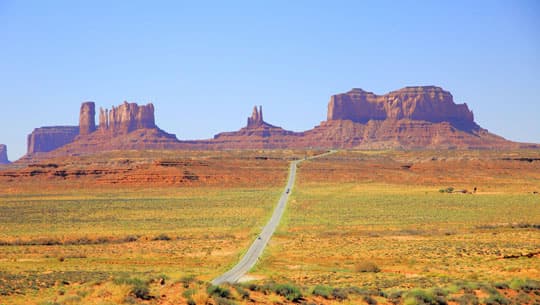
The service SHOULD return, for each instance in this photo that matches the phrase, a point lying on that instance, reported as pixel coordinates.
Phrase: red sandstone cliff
(126, 127)
(409, 118)
(429, 103)
(46, 139)
(126, 118)
(412, 117)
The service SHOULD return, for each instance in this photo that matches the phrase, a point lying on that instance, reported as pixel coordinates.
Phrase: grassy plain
(380, 220)
(81, 229)
(361, 228)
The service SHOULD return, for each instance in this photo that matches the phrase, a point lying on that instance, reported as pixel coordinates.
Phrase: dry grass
(356, 207)
(68, 241)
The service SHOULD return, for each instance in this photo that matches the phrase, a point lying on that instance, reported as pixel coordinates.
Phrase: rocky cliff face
(126, 118)
(87, 123)
(3, 154)
(125, 127)
(429, 103)
(409, 118)
(49, 138)
(113, 123)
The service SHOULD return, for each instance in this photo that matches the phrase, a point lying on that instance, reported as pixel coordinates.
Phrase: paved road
(256, 249)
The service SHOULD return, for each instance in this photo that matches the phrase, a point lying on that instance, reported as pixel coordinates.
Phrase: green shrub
(290, 292)
(531, 285)
(322, 291)
(218, 291)
(417, 296)
(244, 294)
(162, 236)
(496, 299)
(516, 284)
(141, 291)
(188, 293)
(253, 287)
(525, 285)
(395, 297)
(361, 291)
(186, 280)
(139, 288)
(501, 285)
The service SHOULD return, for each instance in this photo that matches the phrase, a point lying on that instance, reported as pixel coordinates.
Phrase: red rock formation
(47, 139)
(126, 118)
(431, 104)
(87, 123)
(405, 134)
(412, 117)
(409, 118)
(125, 127)
(3, 154)
(256, 118)
(256, 134)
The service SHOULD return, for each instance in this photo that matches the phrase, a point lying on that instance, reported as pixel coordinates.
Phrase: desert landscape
(284, 152)
(360, 226)
(123, 212)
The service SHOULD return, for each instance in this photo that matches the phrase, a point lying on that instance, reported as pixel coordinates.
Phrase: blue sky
(204, 64)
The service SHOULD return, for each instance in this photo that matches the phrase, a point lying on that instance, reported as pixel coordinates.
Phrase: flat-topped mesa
(49, 138)
(3, 154)
(87, 123)
(256, 119)
(126, 118)
(423, 103)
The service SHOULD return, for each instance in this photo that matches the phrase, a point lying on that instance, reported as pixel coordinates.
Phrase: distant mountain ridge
(422, 117)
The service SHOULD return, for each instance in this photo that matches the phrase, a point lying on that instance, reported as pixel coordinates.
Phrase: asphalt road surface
(256, 249)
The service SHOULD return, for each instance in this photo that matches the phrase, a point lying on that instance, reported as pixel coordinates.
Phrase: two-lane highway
(256, 249)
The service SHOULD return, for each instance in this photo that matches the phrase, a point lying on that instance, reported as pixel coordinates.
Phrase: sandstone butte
(423, 117)
(3, 154)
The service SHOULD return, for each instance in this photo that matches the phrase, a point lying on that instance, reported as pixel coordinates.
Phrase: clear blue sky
(205, 64)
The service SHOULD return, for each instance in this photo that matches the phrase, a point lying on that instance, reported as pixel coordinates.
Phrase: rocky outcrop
(126, 118)
(256, 134)
(46, 139)
(125, 127)
(256, 119)
(115, 131)
(429, 103)
(409, 118)
(3, 154)
(87, 123)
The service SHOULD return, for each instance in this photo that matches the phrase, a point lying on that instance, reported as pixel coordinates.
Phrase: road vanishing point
(257, 247)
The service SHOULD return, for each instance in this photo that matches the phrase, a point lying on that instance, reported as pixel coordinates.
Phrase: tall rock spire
(87, 123)
(256, 118)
